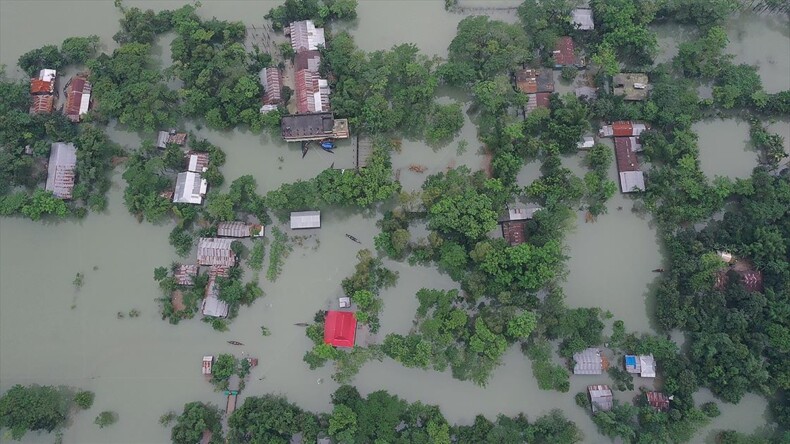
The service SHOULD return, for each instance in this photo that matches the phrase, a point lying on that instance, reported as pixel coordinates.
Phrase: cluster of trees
(599, 187)
(39, 408)
(73, 51)
(623, 34)
(320, 12)
(363, 188)
(369, 277)
(377, 417)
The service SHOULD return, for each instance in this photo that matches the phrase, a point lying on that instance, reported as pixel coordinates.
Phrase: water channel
(51, 333)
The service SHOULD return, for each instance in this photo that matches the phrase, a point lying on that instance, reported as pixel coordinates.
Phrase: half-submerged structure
(600, 398)
(313, 126)
(644, 365)
(190, 188)
(340, 328)
(623, 128)
(564, 54)
(78, 97)
(514, 223)
(214, 251)
(301, 220)
(305, 36)
(272, 82)
(632, 178)
(588, 362)
(632, 86)
(61, 172)
(658, 401)
(239, 229)
(42, 90)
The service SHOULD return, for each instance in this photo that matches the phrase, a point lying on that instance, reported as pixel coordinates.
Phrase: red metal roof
(626, 157)
(74, 92)
(42, 104)
(527, 81)
(564, 52)
(542, 99)
(272, 87)
(307, 85)
(658, 401)
(38, 86)
(340, 328)
(514, 231)
(623, 128)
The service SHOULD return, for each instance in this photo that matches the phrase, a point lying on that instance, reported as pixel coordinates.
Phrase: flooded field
(50, 333)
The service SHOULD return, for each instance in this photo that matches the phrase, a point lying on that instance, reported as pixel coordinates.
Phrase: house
(239, 229)
(78, 97)
(658, 401)
(514, 224)
(305, 36)
(215, 251)
(167, 137)
(42, 90)
(315, 126)
(752, 280)
(197, 161)
(305, 219)
(586, 143)
(633, 86)
(185, 274)
(537, 100)
(312, 92)
(631, 177)
(645, 365)
(600, 398)
(309, 60)
(272, 81)
(215, 271)
(61, 170)
(623, 128)
(531, 81)
(212, 305)
(564, 54)
(190, 188)
(208, 362)
(588, 362)
(582, 19)
(340, 328)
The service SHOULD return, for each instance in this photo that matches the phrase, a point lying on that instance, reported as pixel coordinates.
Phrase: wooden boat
(353, 238)
(301, 324)
(235, 343)
(658, 270)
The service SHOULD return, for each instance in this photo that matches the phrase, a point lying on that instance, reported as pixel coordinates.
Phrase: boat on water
(235, 343)
(353, 238)
(328, 145)
(301, 324)
(208, 362)
(658, 270)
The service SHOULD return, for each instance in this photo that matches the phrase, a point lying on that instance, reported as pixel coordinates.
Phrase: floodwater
(51, 333)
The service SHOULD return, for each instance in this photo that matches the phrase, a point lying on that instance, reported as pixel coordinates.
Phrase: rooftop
(198, 161)
(645, 365)
(39, 86)
(185, 274)
(78, 98)
(190, 188)
(658, 401)
(564, 53)
(238, 229)
(340, 328)
(632, 86)
(309, 60)
(215, 251)
(61, 170)
(42, 104)
(272, 81)
(315, 126)
(312, 92)
(165, 137)
(588, 362)
(622, 128)
(305, 36)
(212, 305)
(631, 177)
(582, 18)
(305, 219)
(514, 232)
(600, 397)
(531, 81)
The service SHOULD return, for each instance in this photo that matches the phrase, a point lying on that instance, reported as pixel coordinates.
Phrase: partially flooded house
(197, 161)
(340, 328)
(314, 126)
(589, 362)
(239, 229)
(565, 54)
(658, 401)
(312, 92)
(632, 86)
(272, 82)
(61, 171)
(213, 251)
(631, 176)
(514, 223)
(623, 128)
(42, 91)
(305, 36)
(191, 188)
(601, 398)
(212, 305)
(165, 138)
(307, 60)
(643, 365)
(301, 220)
(78, 97)
(185, 274)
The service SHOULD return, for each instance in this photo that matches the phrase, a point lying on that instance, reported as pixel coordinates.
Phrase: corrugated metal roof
(305, 219)
(215, 251)
(212, 305)
(198, 161)
(272, 81)
(658, 401)
(42, 104)
(632, 181)
(38, 86)
(564, 52)
(78, 94)
(582, 18)
(305, 36)
(238, 229)
(309, 60)
(588, 362)
(312, 92)
(190, 188)
(340, 328)
(61, 169)
(514, 232)
(185, 274)
(600, 397)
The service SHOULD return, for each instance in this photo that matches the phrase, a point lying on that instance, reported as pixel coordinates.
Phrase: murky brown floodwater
(144, 367)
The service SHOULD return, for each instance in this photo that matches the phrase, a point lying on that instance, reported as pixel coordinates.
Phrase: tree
(224, 367)
(44, 203)
(77, 50)
(487, 47)
(32, 408)
(272, 419)
(46, 57)
(84, 399)
(106, 418)
(343, 424)
(522, 325)
(197, 418)
(445, 121)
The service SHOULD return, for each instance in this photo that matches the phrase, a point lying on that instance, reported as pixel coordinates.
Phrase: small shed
(78, 97)
(305, 36)
(61, 173)
(185, 274)
(197, 161)
(644, 365)
(632, 86)
(586, 143)
(340, 328)
(166, 137)
(190, 188)
(564, 54)
(301, 220)
(658, 401)
(726, 256)
(344, 302)
(215, 251)
(600, 398)
(239, 229)
(588, 362)
(582, 19)
(208, 362)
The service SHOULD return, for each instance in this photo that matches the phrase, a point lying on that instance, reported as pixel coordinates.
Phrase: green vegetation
(550, 376)
(319, 11)
(444, 123)
(73, 51)
(369, 277)
(257, 254)
(106, 419)
(277, 253)
(39, 408)
(194, 421)
(599, 187)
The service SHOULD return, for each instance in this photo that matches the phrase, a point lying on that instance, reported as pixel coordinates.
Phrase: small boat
(658, 270)
(235, 343)
(353, 238)
(327, 144)
(208, 361)
(301, 324)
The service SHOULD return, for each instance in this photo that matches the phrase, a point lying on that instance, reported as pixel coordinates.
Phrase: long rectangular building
(631, 177)
(313, 126)
(61, 170)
